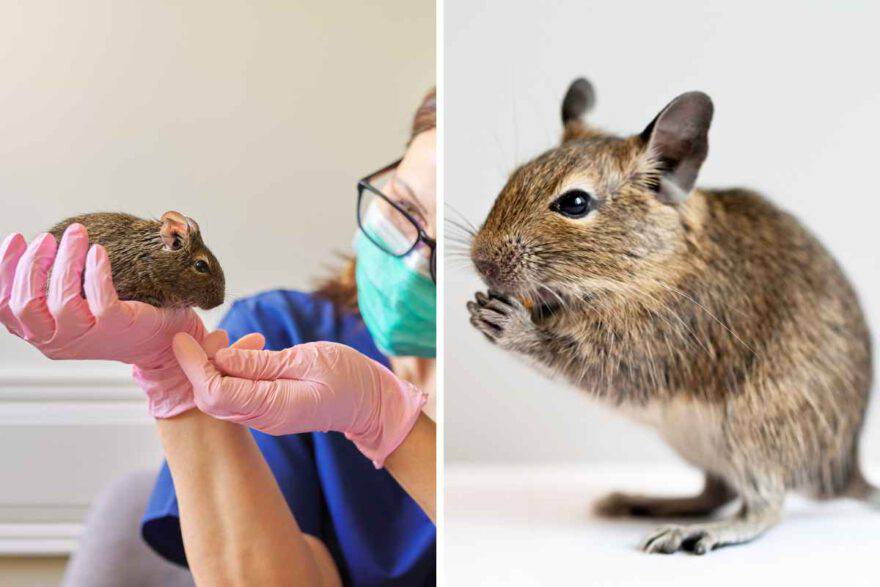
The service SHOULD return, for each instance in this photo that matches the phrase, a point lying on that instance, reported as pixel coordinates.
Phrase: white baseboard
(75, 396)
(75, 383)
(38, 539)
(66, 431)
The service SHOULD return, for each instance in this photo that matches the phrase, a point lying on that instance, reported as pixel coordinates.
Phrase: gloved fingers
(195, 364)
(100, 291)
(219, 339)
(192, 357)
(276, 407)
(253, 341)
(258, 364)
(11, 250)
(215, 341)
(246, 402)
(28, 299)
(65, 285)
(243, 402)
(213, 393)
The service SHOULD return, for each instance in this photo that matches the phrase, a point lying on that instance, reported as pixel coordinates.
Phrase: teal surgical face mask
(396, 296)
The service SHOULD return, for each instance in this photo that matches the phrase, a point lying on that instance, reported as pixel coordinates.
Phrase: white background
(796, 90)
(254, 118)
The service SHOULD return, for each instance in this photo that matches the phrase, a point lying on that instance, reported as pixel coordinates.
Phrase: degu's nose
(499, 272)
(499, 261)
(214, 298)
(487, 268)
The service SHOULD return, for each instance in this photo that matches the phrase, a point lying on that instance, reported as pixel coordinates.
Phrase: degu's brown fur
(160, 262)
(711, 315)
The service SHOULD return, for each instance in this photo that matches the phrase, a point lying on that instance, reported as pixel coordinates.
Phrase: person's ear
(678, 138)
(579, 99)
(176, 230)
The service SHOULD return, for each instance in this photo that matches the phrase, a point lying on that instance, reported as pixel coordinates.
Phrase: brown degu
(162, 262)
(709, 314)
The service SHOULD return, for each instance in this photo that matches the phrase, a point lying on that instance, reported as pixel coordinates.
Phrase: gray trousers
(111, 551)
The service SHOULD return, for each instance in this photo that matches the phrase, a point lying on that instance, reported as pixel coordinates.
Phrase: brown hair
(426, 116)
(341, 288)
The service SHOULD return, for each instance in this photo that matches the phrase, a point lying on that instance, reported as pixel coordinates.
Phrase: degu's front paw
(504, 320)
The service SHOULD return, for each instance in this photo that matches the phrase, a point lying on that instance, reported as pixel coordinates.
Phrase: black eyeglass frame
(364, 184)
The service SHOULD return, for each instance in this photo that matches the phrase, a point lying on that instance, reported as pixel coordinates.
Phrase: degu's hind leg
(715, 494)
(862, 490)
(757, 515)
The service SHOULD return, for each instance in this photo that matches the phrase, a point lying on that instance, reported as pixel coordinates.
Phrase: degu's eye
(201, 266)
(574, 204)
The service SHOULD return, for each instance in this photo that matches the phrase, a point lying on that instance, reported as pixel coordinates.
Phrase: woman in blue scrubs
(250, 508)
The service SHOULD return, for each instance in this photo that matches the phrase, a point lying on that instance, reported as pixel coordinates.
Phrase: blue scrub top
(376, 533)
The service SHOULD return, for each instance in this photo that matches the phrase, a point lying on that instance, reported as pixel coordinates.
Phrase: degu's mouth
(543, 302)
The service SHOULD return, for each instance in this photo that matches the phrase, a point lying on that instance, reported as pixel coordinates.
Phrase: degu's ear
(679, 138)
(176, 230)
(579, 99)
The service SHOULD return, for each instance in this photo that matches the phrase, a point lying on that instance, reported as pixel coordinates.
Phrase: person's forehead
(418, 167)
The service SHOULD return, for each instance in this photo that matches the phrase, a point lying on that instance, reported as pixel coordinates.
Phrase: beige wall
(32, 572)
(255, 118)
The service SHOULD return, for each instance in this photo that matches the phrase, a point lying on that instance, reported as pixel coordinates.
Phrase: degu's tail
(862, 490)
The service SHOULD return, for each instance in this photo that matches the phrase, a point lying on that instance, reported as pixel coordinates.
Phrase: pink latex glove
(318, 386)
(63, 324)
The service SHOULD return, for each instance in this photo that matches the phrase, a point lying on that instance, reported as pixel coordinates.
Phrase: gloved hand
(318, 386)
(64, 325)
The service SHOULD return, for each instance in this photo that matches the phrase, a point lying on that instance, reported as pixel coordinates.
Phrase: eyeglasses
(371, 200)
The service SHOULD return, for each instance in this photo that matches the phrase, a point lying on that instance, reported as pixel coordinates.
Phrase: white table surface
(532, 525)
